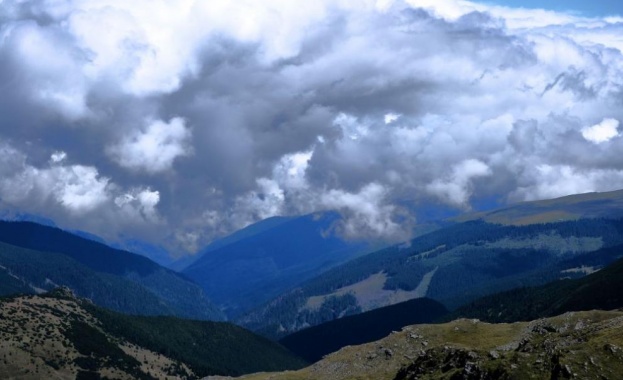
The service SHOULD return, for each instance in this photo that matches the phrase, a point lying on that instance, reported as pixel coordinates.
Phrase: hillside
(584, 345)
(263, 261)
(43, 257)
(573, 207)
(313, 343)
(453, 265)
(600, 290)
(59, 336)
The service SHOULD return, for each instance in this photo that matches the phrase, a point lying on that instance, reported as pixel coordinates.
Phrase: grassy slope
(579, 345)
(572, 207)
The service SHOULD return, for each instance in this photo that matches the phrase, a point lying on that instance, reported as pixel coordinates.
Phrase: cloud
(77, 188)
(602, 132)
(139, 204)
(557, 181)
(155, 148)
(366, 214)
(457, 188)
(62, 188)
(183, 121)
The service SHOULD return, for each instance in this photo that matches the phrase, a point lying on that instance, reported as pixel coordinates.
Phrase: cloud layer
(179, 122)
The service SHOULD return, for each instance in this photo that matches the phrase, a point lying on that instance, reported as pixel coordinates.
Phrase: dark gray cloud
(180, 122)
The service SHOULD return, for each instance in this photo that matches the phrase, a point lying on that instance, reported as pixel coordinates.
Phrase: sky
(598, 8)
(177, 122)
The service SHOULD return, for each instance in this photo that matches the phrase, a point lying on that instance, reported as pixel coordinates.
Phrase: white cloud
(457, 189)
(602, 132)
(76, 196)
(139, 204)
(58, 157)
(366, 214)
(77, 188)
(390, 117)
(555, 181)
(155, 148)
(360, 105)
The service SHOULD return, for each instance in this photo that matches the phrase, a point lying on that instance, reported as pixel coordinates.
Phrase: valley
(343, 318)
(455, 265)
(311, 190)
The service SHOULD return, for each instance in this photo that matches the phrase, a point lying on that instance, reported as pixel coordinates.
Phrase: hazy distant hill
(117, 279)
(244, 233)
(59, 336)
(454, 265)
(263, 261)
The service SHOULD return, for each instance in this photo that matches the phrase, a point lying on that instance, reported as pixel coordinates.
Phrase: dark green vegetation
(208, 348)
(463, 262)
(315, 342)
(262, 261)
(602, 290)
(99, 352)
(35, 257)
(59, 332)
(27, 270)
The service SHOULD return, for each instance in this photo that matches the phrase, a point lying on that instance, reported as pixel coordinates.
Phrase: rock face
(463, 364)
(580, 345)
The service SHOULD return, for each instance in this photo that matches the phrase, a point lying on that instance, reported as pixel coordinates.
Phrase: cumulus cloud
(78, 190)
(602, 132)
(457, 189)
(139, 204)
(155, 148)
(556, 181)
(366, 213)
(182, 121)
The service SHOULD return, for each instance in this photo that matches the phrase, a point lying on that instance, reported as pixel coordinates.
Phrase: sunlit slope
(572, 207)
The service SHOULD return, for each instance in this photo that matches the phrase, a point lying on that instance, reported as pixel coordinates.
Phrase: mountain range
(35, 258)
(556, 331)
(292, 279)
(464, 260)
(262, 261)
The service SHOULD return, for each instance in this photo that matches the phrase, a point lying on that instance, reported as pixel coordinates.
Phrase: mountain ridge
(82, 257)
(57, 335)
(457, 263)
(250, 270)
